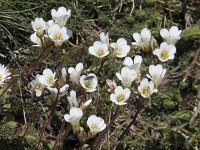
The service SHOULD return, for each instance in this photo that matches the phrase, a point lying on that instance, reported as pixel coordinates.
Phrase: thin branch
(59, 135)
(133, 7)
(41, 134)
(22, 102)
(169, 10)
(45, 123)
(102, 62)
(43, 109)
(66, 132)
(140, 107)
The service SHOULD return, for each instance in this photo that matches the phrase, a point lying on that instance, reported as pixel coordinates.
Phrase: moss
(189, 40)
(103, 20)
(181, 115)
(169, 104)
(191, 33)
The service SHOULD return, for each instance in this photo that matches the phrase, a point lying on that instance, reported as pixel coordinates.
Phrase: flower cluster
(89, 84)
(78, 88)
(74, 82)
(48, 80)
(131, 70)
(52, 30)
(102, 48)
(146, 42)
(95, 124)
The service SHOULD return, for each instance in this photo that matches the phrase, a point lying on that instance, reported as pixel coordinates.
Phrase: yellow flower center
(146, 91)
(38, 87)
(100, 52)
(38, 27)
(118, 51)
(88, 85)
(94, 126)
(50, 80)
(164, 55)
(58, 37)
(146, 48)
(120, 98)
(37, 41)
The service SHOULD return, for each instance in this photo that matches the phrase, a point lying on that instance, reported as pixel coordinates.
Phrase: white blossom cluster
(49, 81)
(167, 49)
(120, 94)
(101, 48)
(131, 70)
(55, 31)
(52, 30)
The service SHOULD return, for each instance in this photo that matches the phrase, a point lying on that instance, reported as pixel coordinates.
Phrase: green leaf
(181, 115)
(11, 124)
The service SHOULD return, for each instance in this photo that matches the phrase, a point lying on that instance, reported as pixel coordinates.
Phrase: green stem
(140, 107)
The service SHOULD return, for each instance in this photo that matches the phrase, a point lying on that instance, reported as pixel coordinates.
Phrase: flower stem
(102, 62)
(140, 107)
(45, 123)
(98, 140)
(59, 135)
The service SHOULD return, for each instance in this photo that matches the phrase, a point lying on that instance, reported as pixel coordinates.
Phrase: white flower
(135, 65)
(39, 26)
(58, 34)
(146, 88)
(87, 103)
(75, 73)
(50, 23)
(59, 93)
(112, 85)
(104, 38)
(36, 40)
(63, 90)
(37, 86)
(120, 96)
(96, 124)
(156, 74)
(165, 52)
(89, 82)
(127, 76)
(72, 99)
(99, 49)
(48, 78)
(172, 35)
(74, 117)
(61, 15)
(144, 40)
(4, 74)
(121, 48)
(84, 105)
